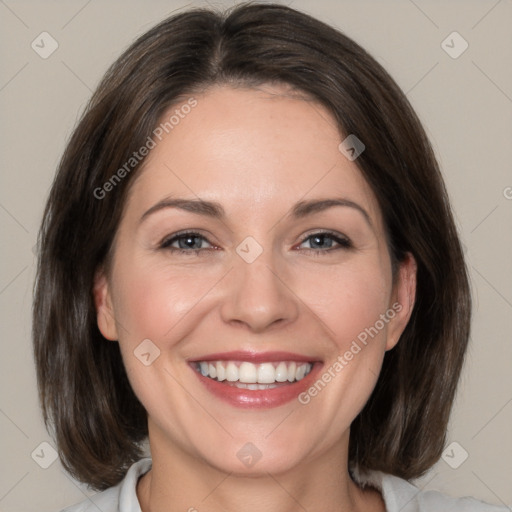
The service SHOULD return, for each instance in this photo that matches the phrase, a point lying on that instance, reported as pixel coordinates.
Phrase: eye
(326, 241)
(185, 242)
(193, 243)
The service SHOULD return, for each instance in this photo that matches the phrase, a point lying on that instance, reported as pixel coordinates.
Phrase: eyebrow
(215, 210)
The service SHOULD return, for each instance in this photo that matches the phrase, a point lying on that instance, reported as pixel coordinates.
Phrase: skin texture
(257, 152)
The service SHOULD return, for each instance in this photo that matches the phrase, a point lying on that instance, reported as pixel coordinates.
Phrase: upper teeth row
(264, 373)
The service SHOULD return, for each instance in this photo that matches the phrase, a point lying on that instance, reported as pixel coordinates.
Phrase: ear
(403, 298)
(104, 309)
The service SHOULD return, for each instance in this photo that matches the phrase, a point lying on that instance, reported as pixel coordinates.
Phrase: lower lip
(259, 398)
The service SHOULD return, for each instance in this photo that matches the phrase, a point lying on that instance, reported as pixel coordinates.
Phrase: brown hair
(86, 398)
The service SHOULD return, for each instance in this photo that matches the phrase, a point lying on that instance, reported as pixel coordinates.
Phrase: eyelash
(343, 243)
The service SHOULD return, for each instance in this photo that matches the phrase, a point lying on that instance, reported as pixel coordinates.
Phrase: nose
(258, 296)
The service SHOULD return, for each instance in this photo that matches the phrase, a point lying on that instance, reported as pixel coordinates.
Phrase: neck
(179, 481)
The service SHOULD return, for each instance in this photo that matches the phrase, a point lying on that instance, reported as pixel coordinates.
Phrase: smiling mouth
(246, 375)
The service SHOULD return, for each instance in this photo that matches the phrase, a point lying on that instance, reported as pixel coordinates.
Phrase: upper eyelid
(333, 235)
(320, 231)
(175, 236)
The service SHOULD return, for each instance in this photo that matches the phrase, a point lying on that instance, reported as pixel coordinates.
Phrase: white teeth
(247, 372)
(301, 370)
(254, 376)
(266, 373)
(221, 371)
(292, 372)
(231, 372)
(281, 372)
(242, 385)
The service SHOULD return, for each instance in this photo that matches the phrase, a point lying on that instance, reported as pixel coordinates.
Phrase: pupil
(319, 241)
(190, 242)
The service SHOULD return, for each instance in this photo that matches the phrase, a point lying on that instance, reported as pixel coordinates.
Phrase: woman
(248, 258)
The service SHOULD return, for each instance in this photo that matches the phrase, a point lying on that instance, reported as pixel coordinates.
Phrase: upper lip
(256, 357)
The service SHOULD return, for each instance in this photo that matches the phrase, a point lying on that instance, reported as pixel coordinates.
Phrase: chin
(255, 456)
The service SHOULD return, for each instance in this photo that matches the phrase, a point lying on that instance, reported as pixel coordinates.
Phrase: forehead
(259, 150)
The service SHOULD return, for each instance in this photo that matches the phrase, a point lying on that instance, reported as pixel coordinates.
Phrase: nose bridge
(257, 295)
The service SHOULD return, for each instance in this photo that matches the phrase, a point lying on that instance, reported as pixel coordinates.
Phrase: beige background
(465, 104)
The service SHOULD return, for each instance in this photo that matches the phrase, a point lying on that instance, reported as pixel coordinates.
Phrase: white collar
(399, 495)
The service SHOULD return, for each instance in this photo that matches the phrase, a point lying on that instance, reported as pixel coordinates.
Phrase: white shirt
(398, 494)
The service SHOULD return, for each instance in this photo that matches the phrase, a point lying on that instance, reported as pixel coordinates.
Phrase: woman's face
(284, 286)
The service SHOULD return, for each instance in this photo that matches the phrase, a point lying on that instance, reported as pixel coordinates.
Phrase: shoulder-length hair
(86, 399)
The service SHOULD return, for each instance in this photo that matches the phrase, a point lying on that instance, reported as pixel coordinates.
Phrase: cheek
(153, 299)
(156, 303)
(349, 299)
(350, 303)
